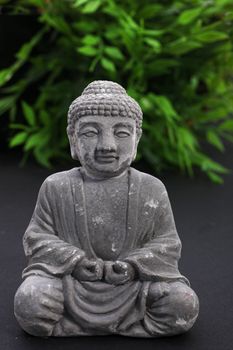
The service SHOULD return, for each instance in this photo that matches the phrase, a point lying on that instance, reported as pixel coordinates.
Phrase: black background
(204, 217)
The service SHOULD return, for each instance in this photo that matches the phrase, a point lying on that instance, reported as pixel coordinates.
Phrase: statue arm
(47, 253)
(158, 258)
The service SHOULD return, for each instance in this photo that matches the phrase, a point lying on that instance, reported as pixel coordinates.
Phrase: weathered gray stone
(102, 243)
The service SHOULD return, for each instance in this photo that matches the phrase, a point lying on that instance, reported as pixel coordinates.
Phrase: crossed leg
(172, 308)
(39, 305)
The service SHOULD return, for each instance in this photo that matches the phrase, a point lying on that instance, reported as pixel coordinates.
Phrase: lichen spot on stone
(149, 255)
(113, 247)
(152, 203)
(79, 209)
(163, 249)
(131, 190)
(97, 220)
(181, 322)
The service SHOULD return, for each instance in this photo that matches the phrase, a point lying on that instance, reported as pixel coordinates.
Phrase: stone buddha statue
(102, 245)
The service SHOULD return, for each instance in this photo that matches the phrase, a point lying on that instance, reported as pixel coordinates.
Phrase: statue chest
(106, 206)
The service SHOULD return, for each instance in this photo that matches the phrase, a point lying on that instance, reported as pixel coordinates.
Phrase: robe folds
(57, 239)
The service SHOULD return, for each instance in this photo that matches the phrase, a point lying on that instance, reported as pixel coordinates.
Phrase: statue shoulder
(63, 178)
(149, 181)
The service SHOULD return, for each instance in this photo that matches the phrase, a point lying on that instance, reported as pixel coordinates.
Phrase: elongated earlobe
(73, 147)
(139, 134)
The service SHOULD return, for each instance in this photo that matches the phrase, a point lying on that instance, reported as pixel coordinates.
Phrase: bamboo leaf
(165, 106)
(211, 36)
(227, 125)
(214, 140)
(215, 178)
(189, 16)
(90, 40)
(78, 3)
(155, 44)
(18, 126)
(88, 51)
(183, 46)
(6, 75)
(149, 11)
(6, 103)
(36, 140)
(18, 139)
(91, 6)
(43, 157)
(113, 52)
(26, 48)
(108, 65)
(29, 113)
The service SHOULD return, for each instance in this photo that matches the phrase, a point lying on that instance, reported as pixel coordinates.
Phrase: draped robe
(57, 239)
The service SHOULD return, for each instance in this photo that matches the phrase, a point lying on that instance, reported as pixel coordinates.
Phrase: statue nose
(106, 144)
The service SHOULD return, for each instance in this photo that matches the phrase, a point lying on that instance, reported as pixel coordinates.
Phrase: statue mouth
(105, 158)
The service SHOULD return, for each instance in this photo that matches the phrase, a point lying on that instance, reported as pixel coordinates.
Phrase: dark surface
(204, 218)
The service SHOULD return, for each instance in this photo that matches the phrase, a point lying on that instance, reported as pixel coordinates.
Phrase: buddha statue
(102, 245)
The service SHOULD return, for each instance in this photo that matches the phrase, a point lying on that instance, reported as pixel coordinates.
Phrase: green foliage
(174, 57)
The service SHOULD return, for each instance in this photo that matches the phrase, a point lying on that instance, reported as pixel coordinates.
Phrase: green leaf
(88, 51)
(189, 16)
(227, 125)
(6, 103)
(57, 22)
(153, 32)
(209, 165)
(90, 40)
(35, 140)
(215, 178)
(161, 66)
(6, 75)
(78, 3)
(155, 44)
(18, 139)
(165, 106)
(45, 118)
(149, 11)
(214, 140)
(92, 6)
(211, 36)
(29, 113)
(187, 137)
(113, 52)
(182, 46)
(108, 65)
(146, 104)
(18, 126)
(26, 48)
(86, 26)
(43, 156)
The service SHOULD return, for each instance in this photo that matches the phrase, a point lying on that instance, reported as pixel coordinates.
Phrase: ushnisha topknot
(104, 98)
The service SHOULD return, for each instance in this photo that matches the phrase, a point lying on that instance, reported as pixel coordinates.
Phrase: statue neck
(103, 177)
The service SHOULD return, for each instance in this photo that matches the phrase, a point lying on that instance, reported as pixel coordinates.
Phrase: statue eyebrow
(124, 125)
(86, 124)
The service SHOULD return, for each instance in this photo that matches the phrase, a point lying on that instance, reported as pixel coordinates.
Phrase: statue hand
(118, 272)
(89, 270)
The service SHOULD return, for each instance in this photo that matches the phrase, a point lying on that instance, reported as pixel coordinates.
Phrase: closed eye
(122, 134)
(90, 133)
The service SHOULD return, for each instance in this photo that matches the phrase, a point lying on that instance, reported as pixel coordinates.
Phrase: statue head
(104, 128)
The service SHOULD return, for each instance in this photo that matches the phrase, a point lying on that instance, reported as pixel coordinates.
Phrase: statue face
(105, 146)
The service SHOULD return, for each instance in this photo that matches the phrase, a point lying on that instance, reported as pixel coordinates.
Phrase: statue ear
(139, 134)
(73, 146)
